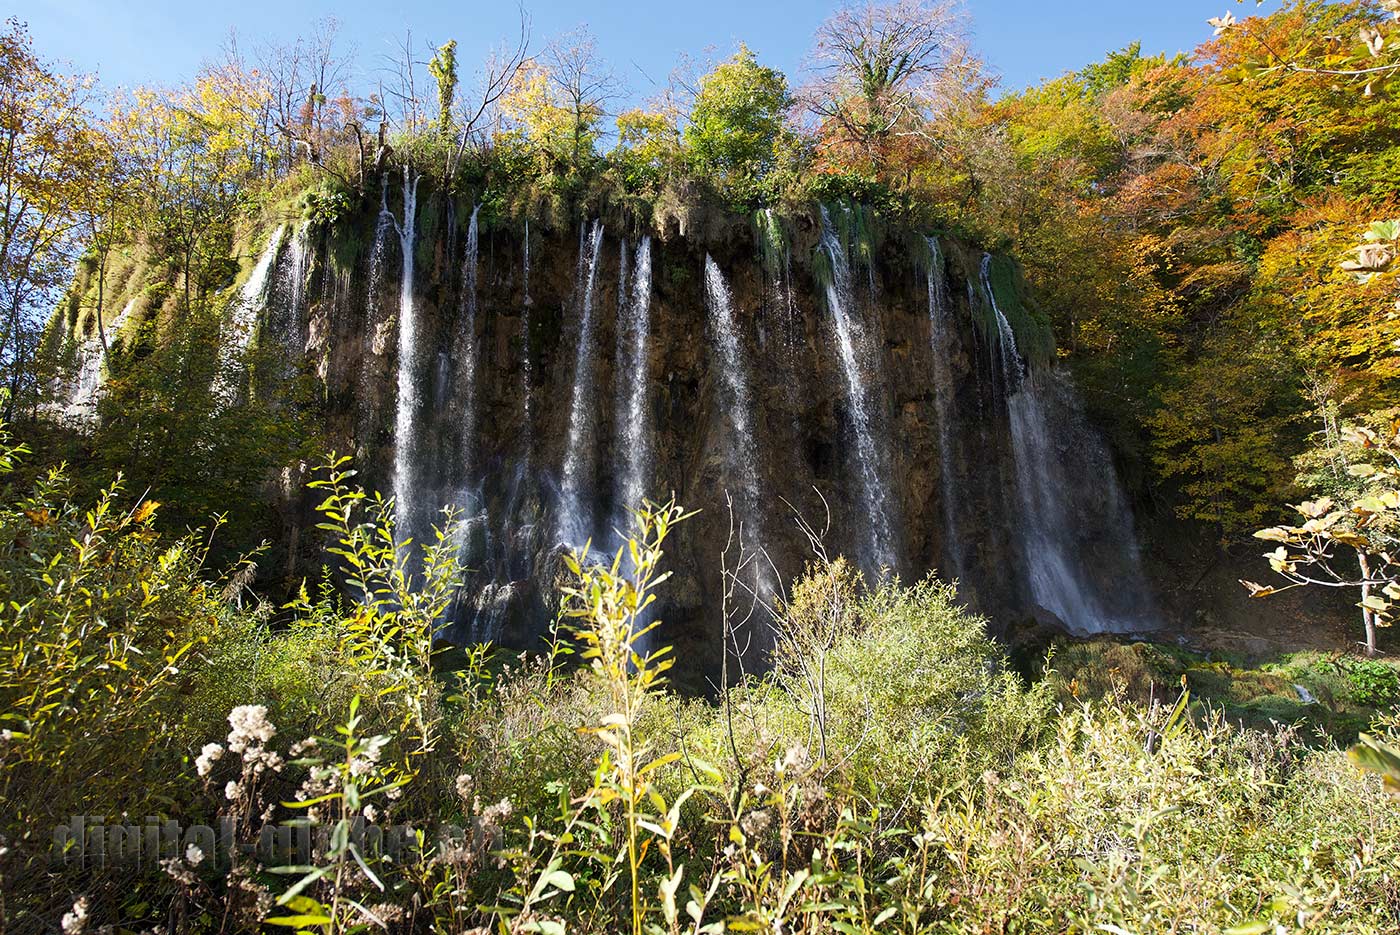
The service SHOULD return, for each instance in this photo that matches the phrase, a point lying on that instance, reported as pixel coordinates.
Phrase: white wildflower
(75, 921)
(251, 727)
(371, 814)
(207, 757)
(194, 854)
(464, 787)
(232, 790)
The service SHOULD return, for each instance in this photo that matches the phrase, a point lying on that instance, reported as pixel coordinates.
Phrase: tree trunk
(1368, 617)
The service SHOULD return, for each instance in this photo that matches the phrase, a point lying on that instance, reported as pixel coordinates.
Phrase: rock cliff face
(537, 378)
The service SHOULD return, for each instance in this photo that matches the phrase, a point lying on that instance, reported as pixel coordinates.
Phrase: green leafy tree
(443, 68)
(737, 122)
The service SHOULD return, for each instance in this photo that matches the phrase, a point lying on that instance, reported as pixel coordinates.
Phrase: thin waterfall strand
(406, 412)
(873, 476)
(574, 515)
(636, 429)
(743, 449)
(941, 335)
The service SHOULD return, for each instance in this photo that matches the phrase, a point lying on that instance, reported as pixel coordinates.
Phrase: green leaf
(299, 921)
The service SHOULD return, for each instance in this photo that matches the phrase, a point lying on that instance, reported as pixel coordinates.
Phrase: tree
(558, 99)
(47, 163)
(736, 122)
(882, 69)
(195, 152)
(1363, 529)
(648, 148)
(301, 78)
(443, 68)
(109, 218)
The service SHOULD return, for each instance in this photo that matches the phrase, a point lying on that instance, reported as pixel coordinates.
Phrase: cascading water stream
(406, 410)
(243, 316)
(1013, 369)
(941, 334)
(880, 546)
(634, 427)
(527, 364)
(576, 505)
(467, 351)
(92, 358)
(1055, 453)
(738, 405)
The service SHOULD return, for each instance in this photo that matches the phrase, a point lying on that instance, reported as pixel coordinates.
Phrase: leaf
(1258, 590)
(561, 880)
(301, 921)
(1250, 928)
(1378, 757)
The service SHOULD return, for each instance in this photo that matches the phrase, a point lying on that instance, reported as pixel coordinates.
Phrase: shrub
(1373, 684)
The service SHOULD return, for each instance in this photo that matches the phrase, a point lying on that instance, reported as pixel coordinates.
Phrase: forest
(447, 496)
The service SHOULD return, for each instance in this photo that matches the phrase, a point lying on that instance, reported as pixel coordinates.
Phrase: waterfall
(466, 348)
(738, 406)
(92, 359)
(634, 427)
(376, 333)
(1057, 454)
(406, 412)
(283, 319)
(880, 549)
(1012, 367)
(527, 366)
(941, 335)
(243, 316)
(300, 259)
(575, 513)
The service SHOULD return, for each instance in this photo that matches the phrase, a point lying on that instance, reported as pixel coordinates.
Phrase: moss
(773, 241)
(1030, 325)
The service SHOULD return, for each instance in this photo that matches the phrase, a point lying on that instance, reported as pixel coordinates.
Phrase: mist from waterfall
(576, 505)
(880, 551)
(941, 333)
(1056, 453)
(406, 409)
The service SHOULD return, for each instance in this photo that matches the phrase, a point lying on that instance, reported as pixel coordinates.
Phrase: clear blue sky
(130, 42)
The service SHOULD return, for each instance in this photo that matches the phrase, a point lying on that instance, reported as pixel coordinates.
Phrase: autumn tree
(559, 99)
(307, 104)
(648, 150)
(47, 162)
(195, 152)
(881, 70)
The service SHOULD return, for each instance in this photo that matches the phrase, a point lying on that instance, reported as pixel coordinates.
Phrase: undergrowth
(890, 773)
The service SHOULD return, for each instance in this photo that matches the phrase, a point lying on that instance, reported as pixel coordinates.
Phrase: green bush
(1373, 684)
